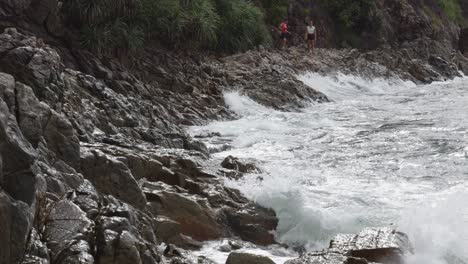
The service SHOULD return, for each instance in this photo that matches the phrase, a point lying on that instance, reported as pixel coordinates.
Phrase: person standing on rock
(284, 33)
(311, 36)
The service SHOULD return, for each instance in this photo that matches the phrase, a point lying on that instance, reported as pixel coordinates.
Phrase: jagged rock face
(84, 174)
(372, 245)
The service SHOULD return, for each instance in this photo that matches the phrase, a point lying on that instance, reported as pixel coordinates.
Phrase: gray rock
(235, 164)
(78, 253)
(36, 250)
(384, 245)
(127, 251)
(225, 248)
(111, 176)
(166, 229)
(18, 158)
(252, 223)
(15, 223)
(246, 258)
(193, 213)
(65, 226)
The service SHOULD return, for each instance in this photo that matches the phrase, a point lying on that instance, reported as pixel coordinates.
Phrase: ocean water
(384, 153)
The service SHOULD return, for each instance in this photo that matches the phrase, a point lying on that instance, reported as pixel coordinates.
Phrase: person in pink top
(284, 32)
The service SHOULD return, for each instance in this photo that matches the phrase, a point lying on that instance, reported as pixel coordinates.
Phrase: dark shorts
(310, 36)
(284, 35)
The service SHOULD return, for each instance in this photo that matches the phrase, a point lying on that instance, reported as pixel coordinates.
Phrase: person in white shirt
(311, 35)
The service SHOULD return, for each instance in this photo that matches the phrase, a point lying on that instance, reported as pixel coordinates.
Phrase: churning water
(386, 152)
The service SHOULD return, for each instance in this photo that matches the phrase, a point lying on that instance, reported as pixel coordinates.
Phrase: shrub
(106, 25)
(242, 26)
(179, 21)
(452, 10)
(116, 26)
(95, 12)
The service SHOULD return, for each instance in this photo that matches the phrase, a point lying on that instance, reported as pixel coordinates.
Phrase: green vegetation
(350, 14)
(352, 19)
(106, 25)
(120, 26)
(242, 26)
(452, 10)
(176, 22)
(275, 10)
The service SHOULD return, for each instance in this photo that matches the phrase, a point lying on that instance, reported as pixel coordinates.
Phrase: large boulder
(372, 245)
(246, 258)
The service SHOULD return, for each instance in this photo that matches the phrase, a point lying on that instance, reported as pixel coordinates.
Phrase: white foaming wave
(438, 230)
(348, 87)
(301, 221)
(243, 105)
(275, 139)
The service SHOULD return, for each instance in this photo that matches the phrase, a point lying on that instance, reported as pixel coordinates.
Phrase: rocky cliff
(95, 164)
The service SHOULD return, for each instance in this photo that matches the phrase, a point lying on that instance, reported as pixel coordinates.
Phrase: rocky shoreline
(96, 166)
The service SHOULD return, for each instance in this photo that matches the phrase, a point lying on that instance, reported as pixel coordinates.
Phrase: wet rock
(442, 66)
(235, 164)
(172, 251)
(166, 229)
(246, 258)
(372, 245)
(225, 248)
(193, 213)
(253, 224)
(235, 245)
(204, 260)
